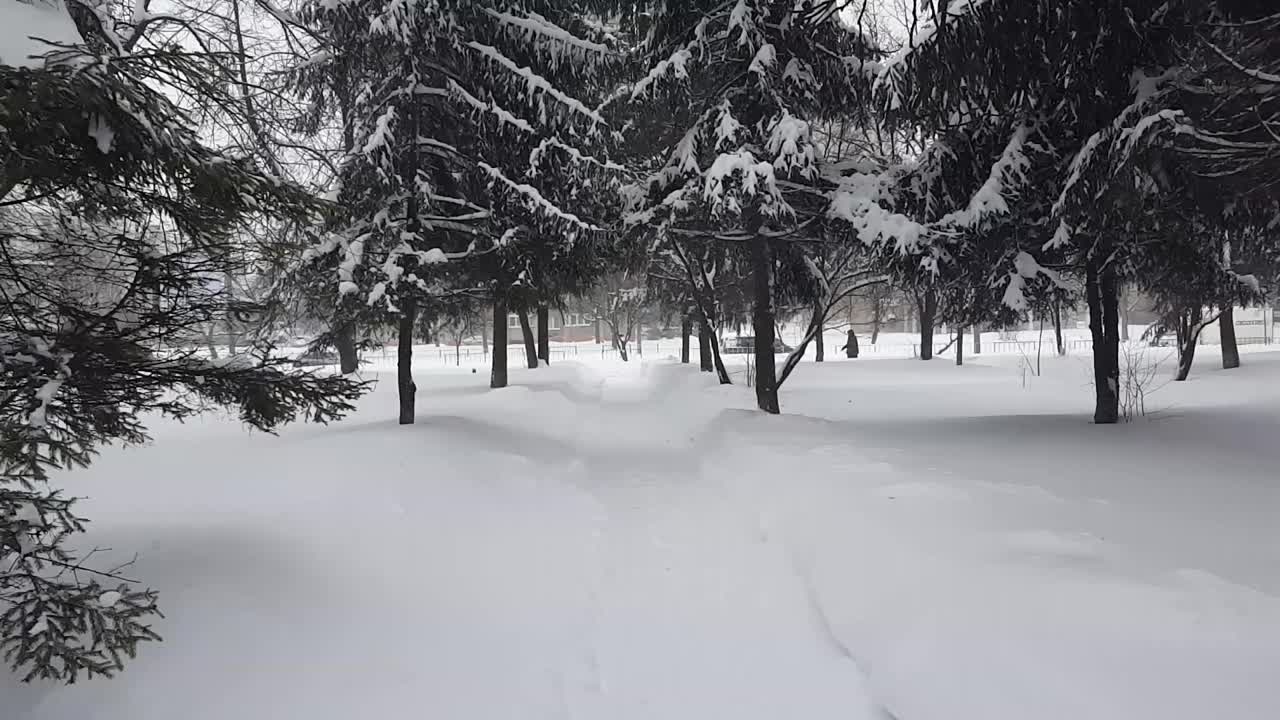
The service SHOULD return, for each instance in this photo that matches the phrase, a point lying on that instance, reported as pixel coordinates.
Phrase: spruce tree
(729, 98)
(116, 222)
(470, 140)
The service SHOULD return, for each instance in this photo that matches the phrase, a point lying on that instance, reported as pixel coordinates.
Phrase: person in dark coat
(851, 346)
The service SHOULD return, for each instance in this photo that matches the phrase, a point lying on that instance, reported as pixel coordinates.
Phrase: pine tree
(115, 221)
(729, 99)
(1048, 118)
(468, 140)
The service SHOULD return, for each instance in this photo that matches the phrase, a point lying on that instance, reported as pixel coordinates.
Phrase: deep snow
(913, 540)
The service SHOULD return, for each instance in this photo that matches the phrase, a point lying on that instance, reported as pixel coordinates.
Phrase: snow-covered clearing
(912, 540)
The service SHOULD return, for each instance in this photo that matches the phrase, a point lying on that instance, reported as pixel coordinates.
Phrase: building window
(513, 321)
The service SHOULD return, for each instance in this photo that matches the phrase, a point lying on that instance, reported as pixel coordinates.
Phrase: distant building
(568, 326)
(1254, 326)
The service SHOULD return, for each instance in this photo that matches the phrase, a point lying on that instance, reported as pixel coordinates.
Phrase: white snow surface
(913, 540)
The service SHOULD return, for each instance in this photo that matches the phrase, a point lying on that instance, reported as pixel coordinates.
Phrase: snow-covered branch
(536, 83)
(534, 199)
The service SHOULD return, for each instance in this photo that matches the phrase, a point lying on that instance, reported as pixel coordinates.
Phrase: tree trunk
(1124, 316)
(208, 339)
(722, 373)
(1103, 326)
(876, 319)
(498, 377)
(1057, 327)
(977, 340)
(484, 334)
(686, 329)
(928, 313)
(544, 334)
(638, 334)
(819, 347)
(705, 341)
(762, 320)
(530, 346)
(1187, 356)
(404, 361)
(1227, 329)
(1189, 327)
(597, 330)
(960, 345)
(620, 344)
(811, 334)
(344, 340)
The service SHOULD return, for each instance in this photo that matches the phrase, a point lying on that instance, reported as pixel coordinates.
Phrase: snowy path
(578, 568)
(634, 544)
(700, 612)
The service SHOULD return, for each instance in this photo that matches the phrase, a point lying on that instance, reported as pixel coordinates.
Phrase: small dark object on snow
(473, 371)
(851, 346)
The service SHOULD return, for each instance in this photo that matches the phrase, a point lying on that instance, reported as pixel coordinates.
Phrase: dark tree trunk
(530, 347)
(1185, 358)
(811, 335)
(877, 318)
(819, 346)
(638, 334)
(960, 345)
(1103, 326)
(762, 320)
(484, 334)
(722, 373)
(1188, 335)
(1057, 327)
(544, 334)
(928, 313)
(620, 344)
(404, 361)
(977, 340)
(498, 377)
(1227, 329)
(597, 330)
(344, 340)
(705, 341)
(686, 329)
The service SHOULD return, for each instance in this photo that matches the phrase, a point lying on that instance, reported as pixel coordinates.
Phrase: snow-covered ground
(912, 540)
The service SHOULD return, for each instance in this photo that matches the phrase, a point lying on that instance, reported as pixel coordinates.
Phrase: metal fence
(661, 349)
